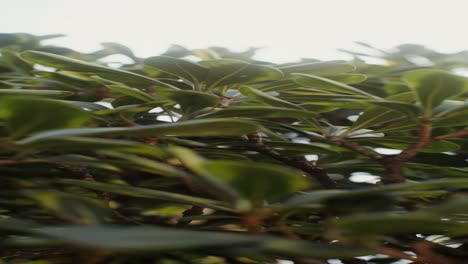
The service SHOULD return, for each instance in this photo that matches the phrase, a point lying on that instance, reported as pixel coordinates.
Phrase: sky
(286, 30)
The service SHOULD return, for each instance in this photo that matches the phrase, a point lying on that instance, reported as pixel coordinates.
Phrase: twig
(461, 133)
(356, 147)
(255, 143)
(424, 139)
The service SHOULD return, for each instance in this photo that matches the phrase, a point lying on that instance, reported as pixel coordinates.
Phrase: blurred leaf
(190, 71)
(225, 72)
(258, 95)
(191, 101)
(70, 207)
(145, 239)
(24, 116)
(14, 60)
(69, 64)
(257, 182)
(147, 193)
(322, 68)
(44, 93)
(316, 250)
(432, 87)
(131, 92)
(258, 111)
(328, 85)
(193, 128)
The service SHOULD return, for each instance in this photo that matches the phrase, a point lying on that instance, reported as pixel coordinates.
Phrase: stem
(256, 144)
(461, 133)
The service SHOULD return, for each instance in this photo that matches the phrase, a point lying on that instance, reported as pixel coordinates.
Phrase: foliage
(225, 159)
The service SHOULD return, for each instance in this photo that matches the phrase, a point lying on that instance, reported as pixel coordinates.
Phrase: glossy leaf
(258, 111)
(225, 72)
(432, 87)
(255, 94)
(191, 101)
(131, 92)
(259, 182)
(69, 64)
(328, 85)
(187, 70)
(24, 116)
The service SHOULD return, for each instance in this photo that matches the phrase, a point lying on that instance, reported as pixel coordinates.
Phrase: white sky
(287, 29)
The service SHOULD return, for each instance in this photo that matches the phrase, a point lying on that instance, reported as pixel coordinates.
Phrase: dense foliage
(209, 156)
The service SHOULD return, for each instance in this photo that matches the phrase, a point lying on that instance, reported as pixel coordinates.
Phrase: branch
(461, 133)
(356, 147)
(424, 139)
(255, 143)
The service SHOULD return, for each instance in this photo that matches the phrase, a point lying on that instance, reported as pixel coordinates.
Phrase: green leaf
(322, 68)
(316, 250)
(257, 181)
(69, 64)
(145, 239)
(392, 224)
(328, 85)
(144, 164)
(138, 192)
(192, 128)
(259, 111)
(432, 87)
(44, 93)
(225, 72)
(348, 78)
(258, 95)
(14, 60)
(131, 92)
(190, 71)
(70, 207)
(88, 143)
(24, 116)
(191, 101)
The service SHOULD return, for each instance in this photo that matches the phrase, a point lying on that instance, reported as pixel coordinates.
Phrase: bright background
(288, 30)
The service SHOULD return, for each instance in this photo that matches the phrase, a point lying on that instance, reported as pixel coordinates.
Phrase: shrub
(229, 159)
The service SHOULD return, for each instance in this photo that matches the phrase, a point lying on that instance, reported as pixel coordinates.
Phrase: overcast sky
(287, 30)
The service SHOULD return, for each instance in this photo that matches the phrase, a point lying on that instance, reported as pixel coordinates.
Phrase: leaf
(88, 143)
(258, 111)
(316, 250)
(69, 64)
(293, 148)
(44, 93)
(145, 239)
(192, 128)
(373, 116)
(327, 84)
(131, 92)
(70, 207)
(144, 164)
(258, 95)
(392, 224)
(138, 192)
(432, 87)
(14, 60)
(348, 78)
(257, 181)
(190, 71)
(225, 72)
(322, 68)
(24, 116)
(405, 142)
(191, 101)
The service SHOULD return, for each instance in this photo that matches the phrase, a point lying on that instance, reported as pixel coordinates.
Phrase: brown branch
(356, 147)
(461, 133)
(255, 143)
(424, 139)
